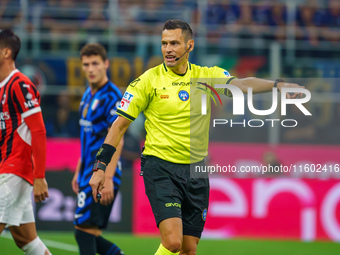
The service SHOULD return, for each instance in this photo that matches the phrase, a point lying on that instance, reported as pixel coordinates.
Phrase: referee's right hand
(97, 183)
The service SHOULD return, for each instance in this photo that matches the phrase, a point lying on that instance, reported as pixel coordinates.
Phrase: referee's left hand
(281, 85)
(97, 183)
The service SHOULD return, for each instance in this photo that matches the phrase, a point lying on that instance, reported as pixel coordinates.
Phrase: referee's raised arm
(105, 154)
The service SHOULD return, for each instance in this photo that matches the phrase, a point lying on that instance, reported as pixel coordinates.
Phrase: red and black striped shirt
(19, 99)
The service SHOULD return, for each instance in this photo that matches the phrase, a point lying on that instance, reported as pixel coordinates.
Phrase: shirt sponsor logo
(87, 125)
(183, 95)
(4, 116)
(164, 96)
(181, 83)
(31, 103)
(126, 100)
(226, 73)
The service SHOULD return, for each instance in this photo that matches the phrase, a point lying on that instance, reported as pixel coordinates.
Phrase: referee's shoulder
(199, 70)
(204, 67)
(152, 73)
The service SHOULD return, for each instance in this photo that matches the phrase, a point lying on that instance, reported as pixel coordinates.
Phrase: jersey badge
(183, 95)
(126, 100)
(226, 73)
(94, 104)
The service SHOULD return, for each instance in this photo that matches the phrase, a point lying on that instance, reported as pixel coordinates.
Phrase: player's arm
(74, 181)
(106, 152)
(108, 190)
(38, 141)
(262, 86)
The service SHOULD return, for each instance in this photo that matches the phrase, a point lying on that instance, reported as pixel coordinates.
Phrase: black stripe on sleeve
(125, 115)
(232, 78)
(34, 90)
(227, 91)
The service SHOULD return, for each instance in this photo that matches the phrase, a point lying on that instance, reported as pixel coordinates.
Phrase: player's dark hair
(172, 24)
(93, 49)
(10, 40)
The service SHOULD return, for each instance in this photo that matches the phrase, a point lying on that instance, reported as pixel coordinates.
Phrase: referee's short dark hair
(10, 40)
(93, 49)
(176, 23)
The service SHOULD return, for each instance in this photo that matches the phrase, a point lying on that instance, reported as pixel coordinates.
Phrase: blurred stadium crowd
(228, 33)
(311, 21)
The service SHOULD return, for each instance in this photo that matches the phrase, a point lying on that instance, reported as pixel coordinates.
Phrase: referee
(179, 202)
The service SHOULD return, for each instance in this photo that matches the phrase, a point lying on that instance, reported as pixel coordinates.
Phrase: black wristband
(105, 153)
(277, 81)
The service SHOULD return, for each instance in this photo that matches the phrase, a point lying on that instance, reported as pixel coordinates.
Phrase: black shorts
(89, 213)
(173, 193)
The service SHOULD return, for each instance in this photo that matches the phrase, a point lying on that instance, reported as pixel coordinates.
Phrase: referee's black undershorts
(173, 193)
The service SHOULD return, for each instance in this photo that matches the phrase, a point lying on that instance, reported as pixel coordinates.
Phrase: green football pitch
(63, 243)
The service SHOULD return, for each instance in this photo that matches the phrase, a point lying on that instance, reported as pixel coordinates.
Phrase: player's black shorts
(89, 213)
(173, 193)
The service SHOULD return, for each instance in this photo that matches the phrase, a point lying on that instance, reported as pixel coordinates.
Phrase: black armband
(105, 153)
(277, 81)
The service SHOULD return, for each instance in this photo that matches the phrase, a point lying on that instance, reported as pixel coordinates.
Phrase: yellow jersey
(177, 131)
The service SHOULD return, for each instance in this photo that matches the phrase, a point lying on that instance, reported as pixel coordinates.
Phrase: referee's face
(174, 46)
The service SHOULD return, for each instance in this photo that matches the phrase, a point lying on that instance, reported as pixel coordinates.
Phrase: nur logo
(204, 98)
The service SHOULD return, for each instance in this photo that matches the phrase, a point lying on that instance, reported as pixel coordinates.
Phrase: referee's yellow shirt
(176, 130)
